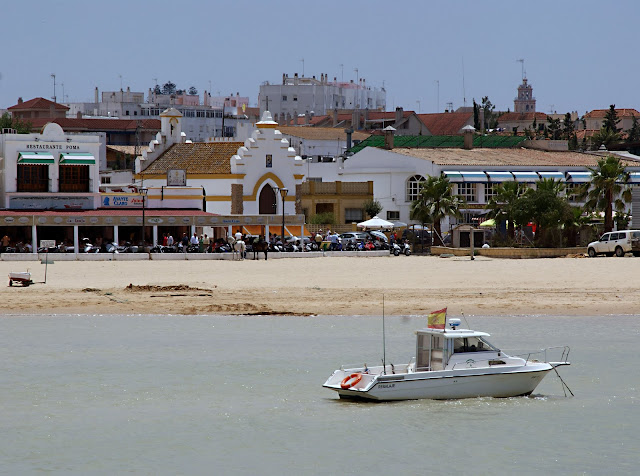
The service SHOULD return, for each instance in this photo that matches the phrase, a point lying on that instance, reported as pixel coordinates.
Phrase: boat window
(472, 344)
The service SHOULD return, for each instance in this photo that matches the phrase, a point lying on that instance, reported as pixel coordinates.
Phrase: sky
(578, 55)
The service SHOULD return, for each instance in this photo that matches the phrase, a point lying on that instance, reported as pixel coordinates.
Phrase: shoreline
(332, 286)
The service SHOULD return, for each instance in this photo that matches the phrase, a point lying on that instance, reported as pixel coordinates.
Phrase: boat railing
(378, 369)
(543, 355)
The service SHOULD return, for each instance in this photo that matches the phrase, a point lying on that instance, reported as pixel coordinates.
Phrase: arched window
(413, 187)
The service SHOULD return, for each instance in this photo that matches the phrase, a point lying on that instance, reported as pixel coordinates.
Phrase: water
(243, 395)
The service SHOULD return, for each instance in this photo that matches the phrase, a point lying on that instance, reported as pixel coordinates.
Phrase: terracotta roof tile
(504, 157)
(522, 116)
(38, 103)
(321, 133)
(446, 123)
(196, 158)
(97, 124)
(598, 113)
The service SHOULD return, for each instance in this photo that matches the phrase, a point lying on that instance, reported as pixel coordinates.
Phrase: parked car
(616, 242)
(354, 236)
(417, 236)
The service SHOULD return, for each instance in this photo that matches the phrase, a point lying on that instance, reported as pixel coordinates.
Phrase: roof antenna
(521, 60)
(464, 95)
(465, 320)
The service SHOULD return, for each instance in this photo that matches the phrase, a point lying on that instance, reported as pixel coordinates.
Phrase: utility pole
(302, 67)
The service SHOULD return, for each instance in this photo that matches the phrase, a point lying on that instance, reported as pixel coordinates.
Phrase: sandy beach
(330, 286)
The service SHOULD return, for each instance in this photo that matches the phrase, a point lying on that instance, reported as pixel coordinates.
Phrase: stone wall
(237, 203)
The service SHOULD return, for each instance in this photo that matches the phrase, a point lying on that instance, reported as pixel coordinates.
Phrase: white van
(616, 242)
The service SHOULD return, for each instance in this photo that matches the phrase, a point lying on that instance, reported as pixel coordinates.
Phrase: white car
(616, 242)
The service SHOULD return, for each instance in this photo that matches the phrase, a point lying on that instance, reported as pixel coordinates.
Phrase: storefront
(27, 229)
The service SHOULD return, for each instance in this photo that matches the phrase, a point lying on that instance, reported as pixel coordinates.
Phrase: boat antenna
(465, 320)
(384, 347)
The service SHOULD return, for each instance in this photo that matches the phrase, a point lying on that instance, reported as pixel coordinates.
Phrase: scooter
(403, 248)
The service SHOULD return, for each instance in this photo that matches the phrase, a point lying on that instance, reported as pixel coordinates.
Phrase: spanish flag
(437, 319)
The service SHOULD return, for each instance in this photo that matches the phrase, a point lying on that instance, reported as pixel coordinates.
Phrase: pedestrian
(6, 241)
(169, 239)
(207, 243)
(200, 244)
(165, 239)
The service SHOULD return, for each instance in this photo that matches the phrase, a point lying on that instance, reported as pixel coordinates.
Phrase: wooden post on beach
(472, 239)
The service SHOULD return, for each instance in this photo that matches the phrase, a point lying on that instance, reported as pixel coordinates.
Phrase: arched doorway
(267, 201)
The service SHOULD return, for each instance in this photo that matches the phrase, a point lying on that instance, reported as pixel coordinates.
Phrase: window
(395, 215)
(105, 179)
(572, 190)
(489, 191)
(413, 187)
(269, 161)
(74, 178)
(353, 214)
(467, 191)
(295, 98)
(284, 98)
(33, 178)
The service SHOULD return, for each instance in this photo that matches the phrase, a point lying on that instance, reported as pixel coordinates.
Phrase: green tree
(504, 206)
(607, 188)
(168, 88)
(611, 120)
(490, 120)
(8, 122)
(193, 91)
(476, 115)
(436, 201)
(633, 134)
(372, 207)
(604, 136)
(546, 206)
(567, 126)
(554, 127)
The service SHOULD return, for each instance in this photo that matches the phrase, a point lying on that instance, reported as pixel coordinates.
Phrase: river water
(243, 395)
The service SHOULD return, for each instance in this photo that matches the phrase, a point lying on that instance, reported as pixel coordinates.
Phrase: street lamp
(283, 194)
(143, 192)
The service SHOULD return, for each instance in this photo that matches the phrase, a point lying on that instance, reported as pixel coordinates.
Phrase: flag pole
(384, 347)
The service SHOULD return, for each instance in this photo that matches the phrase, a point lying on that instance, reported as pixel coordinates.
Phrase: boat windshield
(472, 344)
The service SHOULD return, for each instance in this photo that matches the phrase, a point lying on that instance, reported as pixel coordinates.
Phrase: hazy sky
(579, 55)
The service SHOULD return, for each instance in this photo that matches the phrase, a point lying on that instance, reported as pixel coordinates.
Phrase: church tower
(525, 101)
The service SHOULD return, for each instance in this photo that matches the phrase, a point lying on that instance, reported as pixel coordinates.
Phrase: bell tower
(525, 101)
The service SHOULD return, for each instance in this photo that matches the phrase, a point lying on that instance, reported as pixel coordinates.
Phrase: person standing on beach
(169, 239)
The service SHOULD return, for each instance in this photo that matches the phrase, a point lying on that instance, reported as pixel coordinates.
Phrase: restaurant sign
(112, 200)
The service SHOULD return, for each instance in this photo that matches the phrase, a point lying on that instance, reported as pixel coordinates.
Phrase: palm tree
(503, 205)
(436, 201)
(606, 188)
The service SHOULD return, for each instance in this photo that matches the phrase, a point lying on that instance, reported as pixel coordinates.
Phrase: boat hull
(448, 385)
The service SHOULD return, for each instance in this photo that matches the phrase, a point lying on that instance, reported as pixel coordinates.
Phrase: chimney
(388, 137)
(468, 131)
(349, 132)
(20, 101)
(79, 115)
(283, 79)
(366, 116)
(335, 117)
(399, 114)
(306, 118)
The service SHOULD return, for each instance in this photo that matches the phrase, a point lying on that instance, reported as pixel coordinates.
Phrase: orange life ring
(351, 380)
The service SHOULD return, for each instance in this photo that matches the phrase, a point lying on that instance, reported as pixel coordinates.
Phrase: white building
(301, 95)
(201, 119)
(51, 170)
(241, 179)
(397, 174)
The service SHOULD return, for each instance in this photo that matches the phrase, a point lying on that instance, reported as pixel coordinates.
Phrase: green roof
(428, 142)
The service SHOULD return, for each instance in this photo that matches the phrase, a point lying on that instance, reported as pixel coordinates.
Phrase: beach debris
(152, 288)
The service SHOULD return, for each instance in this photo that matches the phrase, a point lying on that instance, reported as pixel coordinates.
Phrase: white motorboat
(22, 277)
(449, 363)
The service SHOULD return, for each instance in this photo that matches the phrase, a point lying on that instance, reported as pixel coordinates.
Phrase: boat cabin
(436, 348)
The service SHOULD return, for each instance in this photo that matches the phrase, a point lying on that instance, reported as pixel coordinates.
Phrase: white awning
(553, 175)
(634, 177)
(77, 158)
(35, 158)
(527, 177)
(499, 176)
(580, 177)
(470, 176)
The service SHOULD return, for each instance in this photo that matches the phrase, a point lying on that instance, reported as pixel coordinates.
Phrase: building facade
(301, 95)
